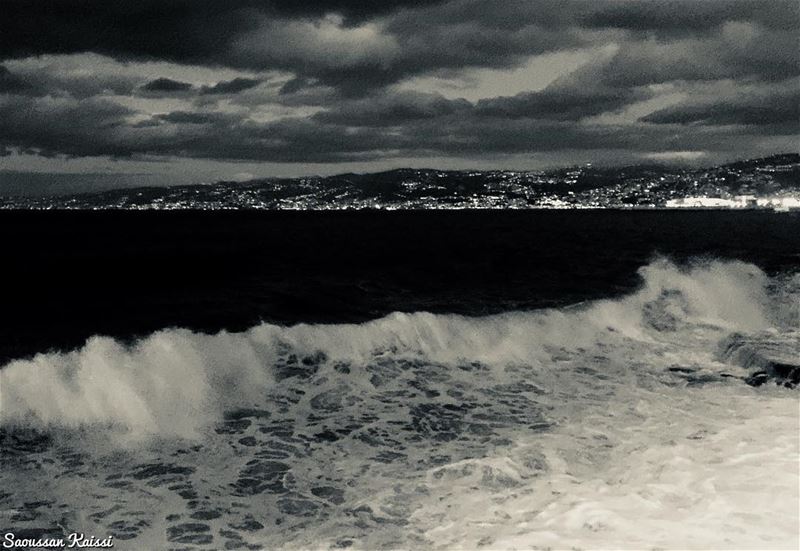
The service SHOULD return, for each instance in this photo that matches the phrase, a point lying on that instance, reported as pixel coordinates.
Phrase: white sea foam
(554, 428)
(710, 469)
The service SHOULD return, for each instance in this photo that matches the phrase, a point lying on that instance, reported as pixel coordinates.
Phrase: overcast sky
(199, 90)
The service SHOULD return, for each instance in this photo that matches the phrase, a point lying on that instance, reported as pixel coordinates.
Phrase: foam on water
(610, 424)
(175, 381)
(713, 469)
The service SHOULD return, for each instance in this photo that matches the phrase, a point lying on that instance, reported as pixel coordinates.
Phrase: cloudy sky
(199, 90)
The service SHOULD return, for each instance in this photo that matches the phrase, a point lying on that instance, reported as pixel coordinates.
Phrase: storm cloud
(231, 86)
(166, 85)
(349, 81)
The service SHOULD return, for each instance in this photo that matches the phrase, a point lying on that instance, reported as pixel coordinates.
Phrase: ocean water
(565, 396)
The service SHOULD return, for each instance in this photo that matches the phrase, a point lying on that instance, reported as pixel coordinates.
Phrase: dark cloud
(392, 109)
(166, 85)
(150, 29)
(51, 126)
(95, 127)
(294, 85)
(11, 83)
(679, 17)
(43, 82)
(188, 117)
(738, 51)
(378, 43)
(447, 36)
(355, 10)
(555, 104)
(45, 77)
(559, 104)
(231, 86)
(321, 81)
(781, 108)
(177, 30)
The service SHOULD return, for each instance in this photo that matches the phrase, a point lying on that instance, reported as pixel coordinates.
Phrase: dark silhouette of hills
(405, 188)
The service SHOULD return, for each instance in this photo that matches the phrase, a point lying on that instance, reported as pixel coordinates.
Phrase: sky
(160, 91)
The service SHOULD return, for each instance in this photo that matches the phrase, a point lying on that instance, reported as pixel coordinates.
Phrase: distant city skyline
(770, 182)
(194, 91)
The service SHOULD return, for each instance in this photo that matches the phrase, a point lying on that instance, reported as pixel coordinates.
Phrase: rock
(757, 379)
(768, 356)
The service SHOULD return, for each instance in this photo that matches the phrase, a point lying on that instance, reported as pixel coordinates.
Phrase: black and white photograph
(447, 275)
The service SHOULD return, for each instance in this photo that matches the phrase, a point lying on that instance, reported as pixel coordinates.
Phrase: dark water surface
(69, 275)
(665, 417)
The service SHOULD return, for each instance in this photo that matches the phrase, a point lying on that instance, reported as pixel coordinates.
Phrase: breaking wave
(175, 382)
(618, 423)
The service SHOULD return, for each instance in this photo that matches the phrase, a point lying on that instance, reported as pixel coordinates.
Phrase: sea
(587, 379)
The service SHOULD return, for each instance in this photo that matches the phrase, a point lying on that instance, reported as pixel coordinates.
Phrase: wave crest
(175, 382)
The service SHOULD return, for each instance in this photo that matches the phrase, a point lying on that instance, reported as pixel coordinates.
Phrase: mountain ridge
(587, 186)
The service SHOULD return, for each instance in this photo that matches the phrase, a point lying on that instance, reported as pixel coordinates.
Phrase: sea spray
(175, 382)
